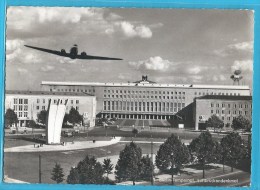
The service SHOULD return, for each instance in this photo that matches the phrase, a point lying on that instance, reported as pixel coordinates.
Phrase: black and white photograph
(128, 96)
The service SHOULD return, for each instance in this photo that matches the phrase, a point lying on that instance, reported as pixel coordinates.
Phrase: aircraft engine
(63, 51)
(83, 53)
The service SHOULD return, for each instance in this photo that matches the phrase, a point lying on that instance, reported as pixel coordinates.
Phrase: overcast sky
(169, 45)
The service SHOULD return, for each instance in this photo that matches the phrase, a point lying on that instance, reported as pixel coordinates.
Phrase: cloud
(234, 49)
(14, 44)
(130, 30)
(243, 65)
(30, 22)
(153, 63)
(194, 70)
(246, 46)
(22, 70)
(47, 68)
(156, 25)
(217, 78)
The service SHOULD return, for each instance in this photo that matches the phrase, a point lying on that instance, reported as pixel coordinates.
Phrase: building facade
(143, 99)
(27, 104)
(225, 107)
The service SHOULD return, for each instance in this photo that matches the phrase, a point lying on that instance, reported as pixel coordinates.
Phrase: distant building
(225, 107)
(144, 99)
(27, 104)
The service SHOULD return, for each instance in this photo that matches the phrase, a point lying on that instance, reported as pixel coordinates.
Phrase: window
(212, 105)
(20, 107)
(113, 105)
(77, 108)
(20, 101)
(217, 105)
(71, 101)
(222, 112)
(223, 105)
(25, 101)
(43, 101)
(212, 111)
(108, 107)
(37, 107)
(77, 101)
(43, 107)
(25, 114)
(25, 108)
(20, 114)
(15, 101)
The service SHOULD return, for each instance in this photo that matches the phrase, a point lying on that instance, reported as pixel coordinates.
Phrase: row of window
(142, 92)
(20, 101)
(143, 96)
(215, 93)
(234, 112)
(38, 101)
(21, 107)
(228, 118)
(21, 114)
(73, 90)
(229, 105)
(142, 106)
(43, 108)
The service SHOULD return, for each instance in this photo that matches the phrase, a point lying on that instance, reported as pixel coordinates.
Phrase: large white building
(143, 99)
(27, 104)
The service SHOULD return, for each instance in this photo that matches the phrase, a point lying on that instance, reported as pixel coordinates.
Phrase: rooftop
(149, 85)
(26, 92)
(224, 97)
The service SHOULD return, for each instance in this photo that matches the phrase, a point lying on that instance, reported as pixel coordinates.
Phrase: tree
(88, 171)
(10, 117)
(65, 119)
(241, 122)
(215, 122)
(57, 173)
(135, 131)
(147, 168)
(107, 166)
(233, 148)
(42, 117)
(172, 154)
(203, 148)
(74, 116)
(129, 162)
(73, 177)
(32, 123)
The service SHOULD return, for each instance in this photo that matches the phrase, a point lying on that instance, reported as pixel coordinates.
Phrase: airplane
(73, 54)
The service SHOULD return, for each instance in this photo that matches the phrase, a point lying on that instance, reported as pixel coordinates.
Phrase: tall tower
(236, 77)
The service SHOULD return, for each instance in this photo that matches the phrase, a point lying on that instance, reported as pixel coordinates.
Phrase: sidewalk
(69, 146)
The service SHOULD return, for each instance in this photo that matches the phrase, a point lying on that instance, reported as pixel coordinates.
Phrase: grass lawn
(24, 166)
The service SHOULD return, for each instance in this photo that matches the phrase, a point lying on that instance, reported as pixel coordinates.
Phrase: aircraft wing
(49, 51)
(96, 57)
